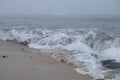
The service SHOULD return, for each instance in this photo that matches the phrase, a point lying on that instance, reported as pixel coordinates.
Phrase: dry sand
(18, 62)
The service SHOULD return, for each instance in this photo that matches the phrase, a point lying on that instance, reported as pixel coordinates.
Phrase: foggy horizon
(59, 7)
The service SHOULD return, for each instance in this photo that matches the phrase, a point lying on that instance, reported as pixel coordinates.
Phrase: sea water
(78, 40)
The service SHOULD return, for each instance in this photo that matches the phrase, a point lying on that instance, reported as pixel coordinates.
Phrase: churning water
(85, 41)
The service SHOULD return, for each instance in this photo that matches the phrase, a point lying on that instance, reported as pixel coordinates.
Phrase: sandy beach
(18, 62)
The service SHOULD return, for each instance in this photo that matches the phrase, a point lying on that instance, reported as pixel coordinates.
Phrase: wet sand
(18, 62)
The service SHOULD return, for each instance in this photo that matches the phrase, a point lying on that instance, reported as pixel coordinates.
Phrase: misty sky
(82, 7)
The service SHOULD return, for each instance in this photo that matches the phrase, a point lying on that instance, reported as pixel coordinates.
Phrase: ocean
(84, 40)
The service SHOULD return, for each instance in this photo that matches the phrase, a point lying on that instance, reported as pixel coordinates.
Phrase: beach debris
(70, 63)
(25, 43)
(30, 56)
(3, 56)
(111, 64)
(33, 69)
(22, 49)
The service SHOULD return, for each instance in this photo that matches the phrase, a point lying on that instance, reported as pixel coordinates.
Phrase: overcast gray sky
(82, 7)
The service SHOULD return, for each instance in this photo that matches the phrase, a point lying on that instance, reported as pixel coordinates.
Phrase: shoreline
(18, 62)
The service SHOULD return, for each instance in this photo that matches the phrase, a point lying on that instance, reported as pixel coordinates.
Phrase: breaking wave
(71, 46)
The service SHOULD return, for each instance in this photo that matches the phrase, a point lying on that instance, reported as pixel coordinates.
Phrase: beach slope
(18, 62)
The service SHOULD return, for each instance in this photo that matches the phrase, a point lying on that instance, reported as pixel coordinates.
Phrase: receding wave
(73, 47)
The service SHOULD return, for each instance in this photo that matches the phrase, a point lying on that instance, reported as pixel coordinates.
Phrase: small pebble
(30, 56)
(22, 49)
(33, 69)
(3, 56)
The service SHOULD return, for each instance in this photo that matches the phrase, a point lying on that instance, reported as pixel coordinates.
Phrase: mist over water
(107, 24)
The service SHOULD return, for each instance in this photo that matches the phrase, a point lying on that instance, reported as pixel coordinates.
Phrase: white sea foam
(87, 49)
(111, 53)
